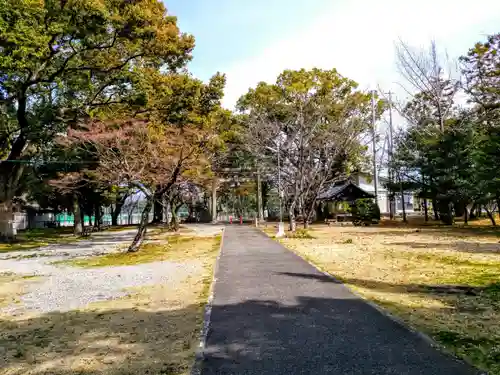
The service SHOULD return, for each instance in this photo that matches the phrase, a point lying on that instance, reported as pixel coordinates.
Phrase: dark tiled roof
(344, 191)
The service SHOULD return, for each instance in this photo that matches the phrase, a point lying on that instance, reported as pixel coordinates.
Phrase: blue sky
(228, 31)
(254, 40)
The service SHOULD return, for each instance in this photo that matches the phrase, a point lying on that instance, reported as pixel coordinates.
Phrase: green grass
(177, 248)
(121, 228)
(448, 286)
(300, 233)
(34, 238)
(154, 329)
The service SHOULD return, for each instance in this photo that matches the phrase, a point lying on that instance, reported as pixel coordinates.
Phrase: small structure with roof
(333, 203)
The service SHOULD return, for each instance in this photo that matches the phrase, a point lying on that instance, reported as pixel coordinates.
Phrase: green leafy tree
(64, 61)
(315, 121)
(452, 159)
(176, 136)
(449, 162)
(481, 69)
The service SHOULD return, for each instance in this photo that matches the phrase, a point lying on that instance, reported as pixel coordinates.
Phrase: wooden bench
(330, 221)
(344, 217)
(87, 231)
(50, 224)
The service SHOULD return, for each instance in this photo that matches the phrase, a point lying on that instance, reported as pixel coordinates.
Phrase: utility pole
(391, 159)
(260, 211)
(374, 144)
(402, 198)
(281, 225)
(214, 200)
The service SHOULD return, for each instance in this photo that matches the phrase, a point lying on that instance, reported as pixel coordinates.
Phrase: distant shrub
(365, 212)
(300, 233)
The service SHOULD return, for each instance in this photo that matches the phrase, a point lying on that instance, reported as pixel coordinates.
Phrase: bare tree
(314, 122)
(432, 86)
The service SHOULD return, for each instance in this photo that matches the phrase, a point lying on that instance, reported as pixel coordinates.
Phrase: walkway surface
(275, 314)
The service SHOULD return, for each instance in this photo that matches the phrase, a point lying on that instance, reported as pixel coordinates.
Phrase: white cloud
(357, 37)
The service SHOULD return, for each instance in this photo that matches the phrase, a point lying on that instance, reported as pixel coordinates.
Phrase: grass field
(154, 330)
(33, 238)
(176, 248)
(11, 287)
(443, 281)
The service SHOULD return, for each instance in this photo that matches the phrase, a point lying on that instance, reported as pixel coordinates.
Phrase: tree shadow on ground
(111, 342)
(441, 230)
(464, 319)
(341, 335)
(492, 288)
(312, 336)
(461, 246)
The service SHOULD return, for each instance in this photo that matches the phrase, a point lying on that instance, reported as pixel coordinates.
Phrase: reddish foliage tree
(139, 154)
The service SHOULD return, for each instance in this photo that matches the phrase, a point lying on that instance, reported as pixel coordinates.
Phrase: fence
(66, 219)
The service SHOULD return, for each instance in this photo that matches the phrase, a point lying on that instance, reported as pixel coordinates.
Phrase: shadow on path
(273, 313)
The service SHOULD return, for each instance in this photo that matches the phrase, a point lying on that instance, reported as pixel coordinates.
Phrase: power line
(21, 161)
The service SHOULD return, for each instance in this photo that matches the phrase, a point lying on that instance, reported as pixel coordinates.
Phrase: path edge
(200, 351)
(426, 338)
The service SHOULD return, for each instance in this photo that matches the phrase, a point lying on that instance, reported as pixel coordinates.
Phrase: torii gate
(220, 173)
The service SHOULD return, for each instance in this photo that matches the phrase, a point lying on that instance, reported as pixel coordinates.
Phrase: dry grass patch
(33, 238)
(443, 281)
(154, 331)
(121, 228)
(12, 286)
(176, 248)
(164, 232)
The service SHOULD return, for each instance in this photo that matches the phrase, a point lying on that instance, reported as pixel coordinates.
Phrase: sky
(255, 40)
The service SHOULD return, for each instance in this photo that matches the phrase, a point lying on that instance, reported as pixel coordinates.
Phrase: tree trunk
(392, 205)
(466, 214)
(98, 217)
(114, 218)
(458, 208)
(158, 206)
(214, 201)
(473, 213)
(435, 209)
(309, 213)
(291, 218)
(304, 216)
(82, 216)
(426, 210)
(445, 212)
(77, 217)
(141, 232)
(260, 209)
(174, 222)
(158, 212)
(118, 209)
(7, 225)
(491, 215)
(403, 203)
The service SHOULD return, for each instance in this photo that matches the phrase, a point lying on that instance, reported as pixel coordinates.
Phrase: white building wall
(383, 196)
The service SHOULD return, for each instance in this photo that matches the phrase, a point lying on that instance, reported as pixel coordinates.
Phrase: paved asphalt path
(275, 314)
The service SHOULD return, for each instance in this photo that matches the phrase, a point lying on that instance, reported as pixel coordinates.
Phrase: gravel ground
(64, 288)
(68, 288)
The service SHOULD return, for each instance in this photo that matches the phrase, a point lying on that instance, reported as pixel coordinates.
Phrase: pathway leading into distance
(274, 314)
